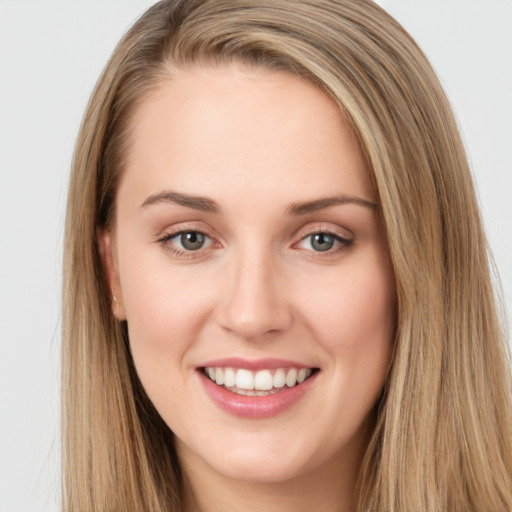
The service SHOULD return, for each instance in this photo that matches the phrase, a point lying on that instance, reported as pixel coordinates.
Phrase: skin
(256, 142)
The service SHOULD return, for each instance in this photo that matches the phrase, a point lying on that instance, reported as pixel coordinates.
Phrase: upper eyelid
(170, 231)
(174, 234)
(340, 232)
(326, 232)
(344, 241)
(329, 233)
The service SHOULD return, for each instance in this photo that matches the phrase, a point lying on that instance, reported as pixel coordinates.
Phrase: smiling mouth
(257, 383)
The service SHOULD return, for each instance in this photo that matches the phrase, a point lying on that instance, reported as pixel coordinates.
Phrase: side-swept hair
(443, 435)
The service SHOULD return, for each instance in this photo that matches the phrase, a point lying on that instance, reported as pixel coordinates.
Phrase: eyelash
(344, 243)
(164, 241)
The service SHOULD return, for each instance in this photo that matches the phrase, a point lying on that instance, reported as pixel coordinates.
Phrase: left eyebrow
(321, 204)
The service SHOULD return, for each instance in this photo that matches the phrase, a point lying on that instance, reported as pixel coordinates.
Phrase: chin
(268, 469)
(267, 460)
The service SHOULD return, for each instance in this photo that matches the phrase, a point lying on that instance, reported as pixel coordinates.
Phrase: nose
(255, 302)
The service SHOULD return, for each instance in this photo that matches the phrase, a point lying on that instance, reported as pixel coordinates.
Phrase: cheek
(166, 308)
(354, 320)
(165, 313)
(357, 306)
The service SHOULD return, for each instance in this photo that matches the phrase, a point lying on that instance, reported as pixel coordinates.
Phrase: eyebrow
(202, 204)
(321, 204)
(205, 204)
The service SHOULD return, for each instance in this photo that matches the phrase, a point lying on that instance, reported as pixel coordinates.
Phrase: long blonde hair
(443, 435)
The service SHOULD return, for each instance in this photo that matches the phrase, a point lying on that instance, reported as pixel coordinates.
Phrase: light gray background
(51, 53)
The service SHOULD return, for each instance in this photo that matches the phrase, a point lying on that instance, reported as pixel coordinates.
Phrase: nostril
(253, 305)
(255, 321)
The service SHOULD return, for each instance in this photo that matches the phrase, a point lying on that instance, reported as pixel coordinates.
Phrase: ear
(109, 259)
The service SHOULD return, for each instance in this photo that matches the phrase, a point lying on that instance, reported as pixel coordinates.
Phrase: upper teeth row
(262, 380)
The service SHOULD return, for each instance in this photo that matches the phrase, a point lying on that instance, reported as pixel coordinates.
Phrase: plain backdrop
(51, 53)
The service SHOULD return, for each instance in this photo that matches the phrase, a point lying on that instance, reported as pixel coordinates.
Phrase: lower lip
(255, 407)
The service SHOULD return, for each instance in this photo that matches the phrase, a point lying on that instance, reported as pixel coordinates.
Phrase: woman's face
(247, 251)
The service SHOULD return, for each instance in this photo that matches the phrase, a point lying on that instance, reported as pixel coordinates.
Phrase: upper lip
(253, 364)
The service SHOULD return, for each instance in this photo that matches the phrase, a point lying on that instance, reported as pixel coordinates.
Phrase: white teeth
(253, 392)
(303, 374)
(291, 377)
(263, 380)
(229, 377)
(244, 379)
(219, 376)
(259, 383)
(279, 379)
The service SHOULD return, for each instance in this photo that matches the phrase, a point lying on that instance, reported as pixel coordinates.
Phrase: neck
(330, 488)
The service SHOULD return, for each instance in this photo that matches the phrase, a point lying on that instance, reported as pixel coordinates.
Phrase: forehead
(206, 128)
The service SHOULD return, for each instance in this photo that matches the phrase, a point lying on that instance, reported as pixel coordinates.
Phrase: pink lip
(253, 365)
(254, 407)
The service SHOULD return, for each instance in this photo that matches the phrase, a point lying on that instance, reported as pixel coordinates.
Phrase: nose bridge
(254, 304)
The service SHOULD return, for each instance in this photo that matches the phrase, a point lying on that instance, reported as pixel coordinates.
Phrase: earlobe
(109, 261)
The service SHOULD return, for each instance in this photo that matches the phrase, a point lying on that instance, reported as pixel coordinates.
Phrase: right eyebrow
(202, 204)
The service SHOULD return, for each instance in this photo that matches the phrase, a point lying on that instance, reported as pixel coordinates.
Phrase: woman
(277, 291)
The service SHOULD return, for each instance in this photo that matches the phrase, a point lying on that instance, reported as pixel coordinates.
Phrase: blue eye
(324, 242)
(191, 240)
(185, 242)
